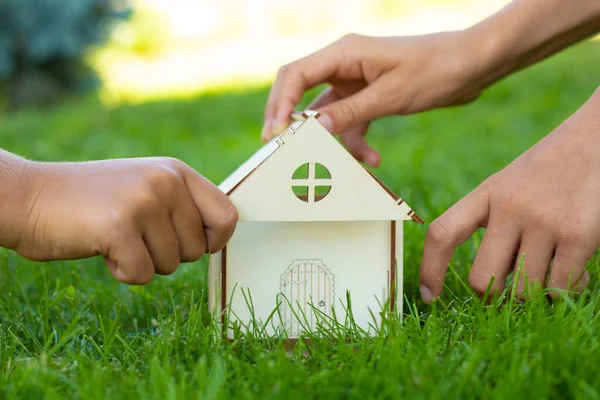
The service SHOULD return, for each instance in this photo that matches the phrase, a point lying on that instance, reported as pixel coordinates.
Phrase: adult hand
(145, 216)
(544, 205)
(371, 77)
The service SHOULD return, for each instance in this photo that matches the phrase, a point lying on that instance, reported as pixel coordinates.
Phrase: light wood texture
(399, 254)
(314, 225)
(266, 194)
(300, 259)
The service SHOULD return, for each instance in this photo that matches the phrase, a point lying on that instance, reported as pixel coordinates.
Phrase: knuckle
(169, 160)
(406, 105)
(571, 234)
(162, 177)
(439, 232)
(225, 225)
(511, 203)
(120, 218)
(140, 201)
(348, 112)
(540, 219)
(491, 182)
(350, 38)
(430, 275)
(228, 220)
(285, 70)
(479, 281)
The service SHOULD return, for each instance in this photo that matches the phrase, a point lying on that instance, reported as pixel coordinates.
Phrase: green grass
(68, 330)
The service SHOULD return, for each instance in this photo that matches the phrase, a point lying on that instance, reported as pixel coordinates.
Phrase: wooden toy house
(314, 225)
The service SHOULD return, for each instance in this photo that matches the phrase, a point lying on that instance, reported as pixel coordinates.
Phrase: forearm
(15, 189)
(527, 31)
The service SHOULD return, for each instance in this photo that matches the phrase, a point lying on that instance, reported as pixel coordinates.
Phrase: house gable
(263, 188)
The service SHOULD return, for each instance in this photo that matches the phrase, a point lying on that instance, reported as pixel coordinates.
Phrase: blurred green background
(83, 80)
(135, 50)
(190, 79)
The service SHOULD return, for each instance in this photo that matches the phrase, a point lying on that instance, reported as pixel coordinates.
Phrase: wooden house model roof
(261, 188)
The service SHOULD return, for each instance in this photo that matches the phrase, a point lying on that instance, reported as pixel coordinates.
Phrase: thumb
(355, 142)
(357, 109)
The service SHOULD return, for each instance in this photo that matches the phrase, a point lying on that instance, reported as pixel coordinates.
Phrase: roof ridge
(258, 159)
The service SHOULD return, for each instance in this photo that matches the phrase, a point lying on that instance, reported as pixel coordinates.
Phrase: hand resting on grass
(145, 215)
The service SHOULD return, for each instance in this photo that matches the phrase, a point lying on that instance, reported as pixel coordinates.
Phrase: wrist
(478, 54)
(17, 190)
(527, 31)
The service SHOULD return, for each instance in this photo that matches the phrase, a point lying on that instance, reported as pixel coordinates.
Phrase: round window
(311, 182)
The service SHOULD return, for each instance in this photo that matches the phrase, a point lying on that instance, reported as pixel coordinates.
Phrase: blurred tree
(43, 45)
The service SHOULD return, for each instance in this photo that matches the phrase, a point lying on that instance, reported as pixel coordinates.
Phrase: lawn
(68, 330)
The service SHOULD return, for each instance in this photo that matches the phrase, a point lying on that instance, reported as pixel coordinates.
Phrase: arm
(143, 215)
(372, 77)
(527, 31)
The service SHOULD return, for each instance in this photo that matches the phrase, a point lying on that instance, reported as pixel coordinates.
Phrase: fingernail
(326, 121)
(265, 135)
(372, 159)
(583, 282)
(279, 127)
(426, 294)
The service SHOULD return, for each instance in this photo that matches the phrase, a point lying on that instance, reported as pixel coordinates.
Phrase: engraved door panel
(308, 289)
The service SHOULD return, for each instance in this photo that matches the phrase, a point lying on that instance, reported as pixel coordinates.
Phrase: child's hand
(371, 77)
(145, 216)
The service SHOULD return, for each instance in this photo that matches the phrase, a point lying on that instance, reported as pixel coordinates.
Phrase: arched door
(305, 284)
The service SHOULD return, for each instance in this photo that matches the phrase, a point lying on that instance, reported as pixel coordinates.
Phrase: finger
(355, 142)
(358, 108)
(267, 130)
(583, 282)
(291, 83)
(326, 97)
(495, 256)
(532, 264)
(567, 272)
(162, 244)
(189, 229)
(354, 138)
(339, 89)
(219, 215)
(128, 259)
(445, 233)
(270, 129)
(269, 116)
